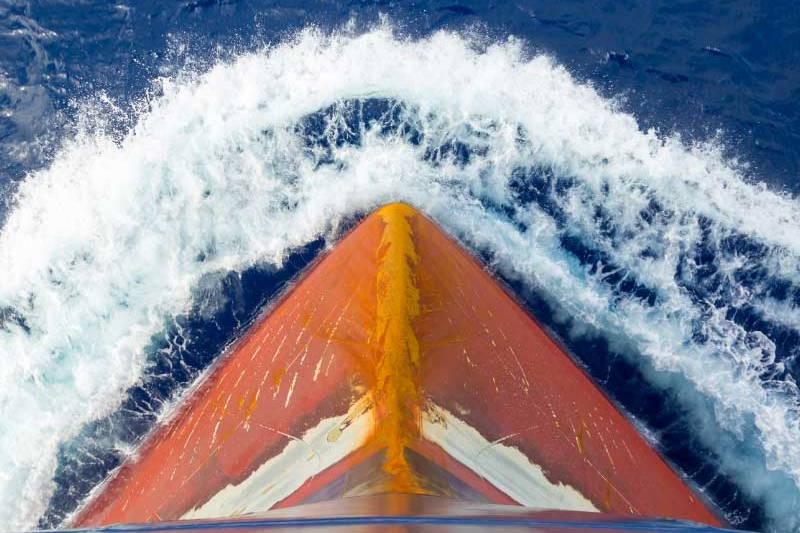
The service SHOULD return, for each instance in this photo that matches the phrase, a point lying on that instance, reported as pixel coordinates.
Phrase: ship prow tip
(397, 208)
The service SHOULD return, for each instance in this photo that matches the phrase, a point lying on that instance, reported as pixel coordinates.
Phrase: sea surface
(630, 169)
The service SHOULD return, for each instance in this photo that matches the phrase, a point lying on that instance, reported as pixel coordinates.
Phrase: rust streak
(397, 394)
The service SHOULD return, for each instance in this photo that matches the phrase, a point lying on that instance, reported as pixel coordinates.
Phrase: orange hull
(396, 365)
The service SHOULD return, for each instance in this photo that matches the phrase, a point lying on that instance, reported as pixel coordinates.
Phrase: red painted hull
(396, 365)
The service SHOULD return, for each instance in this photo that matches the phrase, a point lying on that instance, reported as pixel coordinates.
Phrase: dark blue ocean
(631, 170)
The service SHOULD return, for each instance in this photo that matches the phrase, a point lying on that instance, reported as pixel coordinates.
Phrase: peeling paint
(503, 466)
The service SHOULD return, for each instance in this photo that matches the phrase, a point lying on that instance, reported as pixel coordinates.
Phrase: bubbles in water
(658, 246)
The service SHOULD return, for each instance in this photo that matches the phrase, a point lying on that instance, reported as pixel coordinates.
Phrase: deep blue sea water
(629, 169)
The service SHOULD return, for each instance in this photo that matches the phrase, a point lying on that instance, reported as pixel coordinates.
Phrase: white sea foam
(101, 248)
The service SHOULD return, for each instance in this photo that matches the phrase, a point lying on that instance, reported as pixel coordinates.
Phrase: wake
(658, 246)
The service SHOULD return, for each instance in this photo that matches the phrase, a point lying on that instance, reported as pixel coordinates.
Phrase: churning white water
(102, 247)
